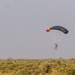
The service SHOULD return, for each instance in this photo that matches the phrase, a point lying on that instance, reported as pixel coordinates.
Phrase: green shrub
(71, 72)
(23, 72)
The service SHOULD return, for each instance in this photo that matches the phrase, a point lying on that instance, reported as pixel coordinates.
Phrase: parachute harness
(55, 46)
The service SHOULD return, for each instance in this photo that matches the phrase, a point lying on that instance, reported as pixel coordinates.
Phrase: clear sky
(23, 24)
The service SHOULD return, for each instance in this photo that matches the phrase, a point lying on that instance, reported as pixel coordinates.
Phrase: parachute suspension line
(55, 39)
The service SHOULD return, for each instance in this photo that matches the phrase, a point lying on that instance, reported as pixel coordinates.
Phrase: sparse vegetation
(37, 66)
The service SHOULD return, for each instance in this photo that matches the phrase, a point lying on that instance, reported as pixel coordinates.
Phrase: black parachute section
(60, 28)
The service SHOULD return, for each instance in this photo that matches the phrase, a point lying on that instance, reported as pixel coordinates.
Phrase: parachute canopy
(60, 28)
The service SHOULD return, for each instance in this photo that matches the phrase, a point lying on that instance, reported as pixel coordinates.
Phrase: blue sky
(23, 24)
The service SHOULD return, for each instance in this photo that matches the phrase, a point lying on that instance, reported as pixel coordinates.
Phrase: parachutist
(56, 46)
(59, 28)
